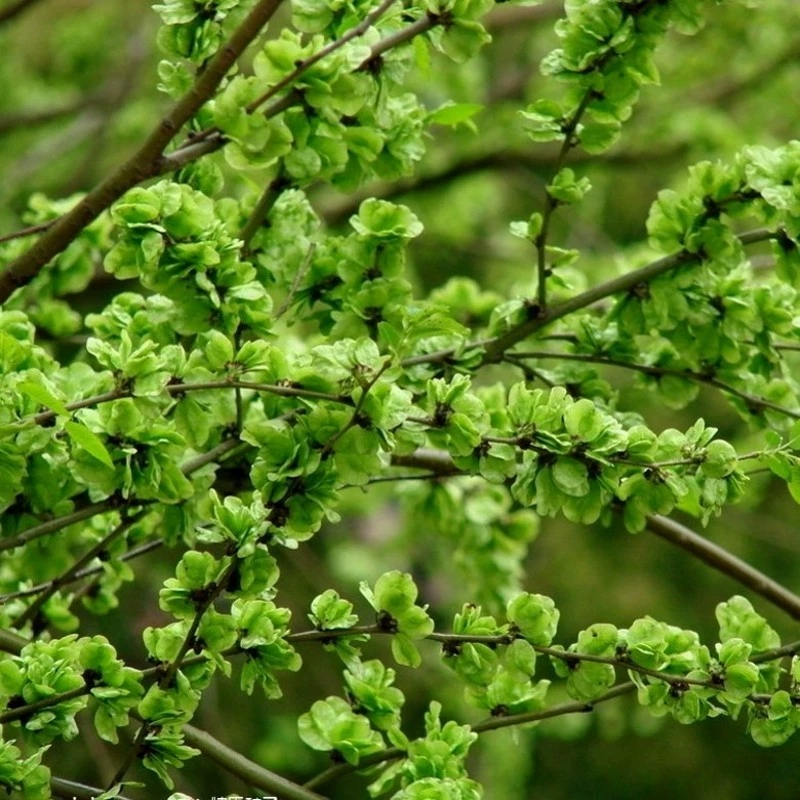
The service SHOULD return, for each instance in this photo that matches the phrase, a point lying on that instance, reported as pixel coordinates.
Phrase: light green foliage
(394, 599)
(332, 725)
(295, 354)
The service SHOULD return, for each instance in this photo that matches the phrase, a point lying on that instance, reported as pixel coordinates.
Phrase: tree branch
(337, 210)
(726, 563)
(35, 607)
(657, 372)
(15, 8)
(550, 203)
(69, 790)
(145, 163)
(494, 723)
(250, 772)
(624, 283)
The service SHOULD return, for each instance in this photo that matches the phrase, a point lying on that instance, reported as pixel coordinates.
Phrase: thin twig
(134, 552)
(298, 277)
(58, 523)
(624, 283)
(752, 400)
(359, 30)
(44, 417)
(69, 790)
(211, 139)
(248, 771)
(493, 723)
(303, 66)
(29, 231)
(550, 203)
(262, 208)
(35, 607)
(495, 348)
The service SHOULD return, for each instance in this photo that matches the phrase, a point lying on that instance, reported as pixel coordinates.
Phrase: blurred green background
(77, 93)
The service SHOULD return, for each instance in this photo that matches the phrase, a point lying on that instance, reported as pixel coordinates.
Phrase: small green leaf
(454, 114)
(40, 394)
(89, 441)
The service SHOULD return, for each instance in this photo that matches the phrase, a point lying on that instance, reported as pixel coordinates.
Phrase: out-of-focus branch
(15, 8)
(337, 210)
(507, 16)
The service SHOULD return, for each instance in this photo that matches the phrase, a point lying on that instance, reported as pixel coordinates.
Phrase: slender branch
(494, 723)
(214, 591)
(550, 203)
(436, 461)
(725, 562)
(513, 161)
(35, 607)
(145, 163)
(354, 418)
(167, 676)
(130, 756)
(45, 417)
(303, 66)
(69, 790)
(422, 25)
(58, 523)
(12, 642)
(113, 503)
(708, 552)
(299, 275)
(316, 635)
(752, 400)
(264, 205)
(134, 552)
(31, 118)
(80, 568)
(359, 30)
(225, 447)
(211, 139)
(29, 709)
(248, 771)
(494, 348)
(31, 230)
(506, 16)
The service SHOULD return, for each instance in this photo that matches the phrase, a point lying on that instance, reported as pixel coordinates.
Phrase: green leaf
(405, 651)
(454, 114)
(535, 616)
(570, 476)
(385, 220)
(89, 441)
(596, 137)
(41, 395)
